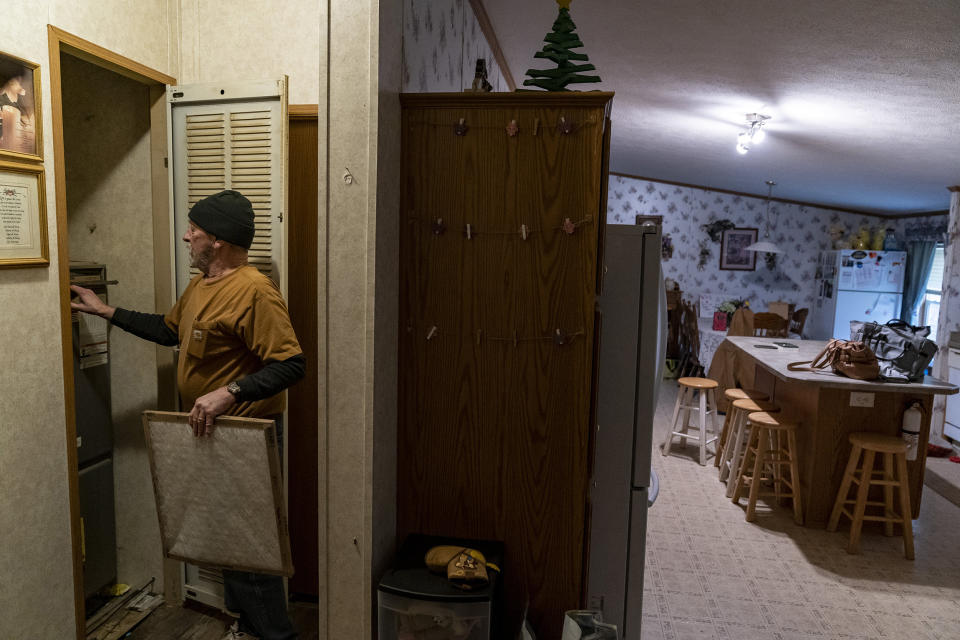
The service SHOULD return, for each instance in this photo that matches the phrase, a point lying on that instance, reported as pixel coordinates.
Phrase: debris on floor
(121, 614)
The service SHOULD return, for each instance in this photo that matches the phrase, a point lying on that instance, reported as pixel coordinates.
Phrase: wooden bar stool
(690, 387)
(732, 456)
(731, 395)
(766, 448)
(894, 452)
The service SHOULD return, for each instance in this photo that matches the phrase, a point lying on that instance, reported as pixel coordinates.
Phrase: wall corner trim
(480, 12)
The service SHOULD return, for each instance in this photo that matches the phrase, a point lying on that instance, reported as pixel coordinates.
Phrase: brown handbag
(852, 359)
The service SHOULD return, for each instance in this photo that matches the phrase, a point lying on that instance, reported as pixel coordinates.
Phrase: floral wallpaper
(442, 41)
(800, 230)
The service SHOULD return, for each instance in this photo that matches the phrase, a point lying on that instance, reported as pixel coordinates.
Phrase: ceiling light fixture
(754, 133)
(765, 246)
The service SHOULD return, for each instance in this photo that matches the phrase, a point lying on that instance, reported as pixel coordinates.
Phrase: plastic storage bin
(415, 604)
(407, 618)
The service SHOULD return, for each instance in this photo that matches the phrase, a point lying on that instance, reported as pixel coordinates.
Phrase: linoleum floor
(710, 574)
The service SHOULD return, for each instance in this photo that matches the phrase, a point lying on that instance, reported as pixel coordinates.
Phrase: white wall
(343, 55)
(36, 594)
(360, 80)
(238, 40)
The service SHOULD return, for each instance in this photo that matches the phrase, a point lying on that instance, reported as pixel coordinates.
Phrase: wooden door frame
(59, 42)
(303, 111)
(305, 114)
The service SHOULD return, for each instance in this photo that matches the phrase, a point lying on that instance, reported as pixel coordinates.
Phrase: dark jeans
(259, 599)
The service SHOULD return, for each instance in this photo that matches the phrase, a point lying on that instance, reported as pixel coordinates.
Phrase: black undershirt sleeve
(275, 376)
(149, 326)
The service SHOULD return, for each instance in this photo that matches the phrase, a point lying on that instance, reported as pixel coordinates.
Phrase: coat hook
(347, 176)
(568, 226)
(559, 339)
(512, 128)
(523, 231)
(461, 128)
(564, 126)
(438, 227)
(432, 332)
(469, 232)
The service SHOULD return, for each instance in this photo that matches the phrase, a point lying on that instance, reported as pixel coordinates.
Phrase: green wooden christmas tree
(560, 43)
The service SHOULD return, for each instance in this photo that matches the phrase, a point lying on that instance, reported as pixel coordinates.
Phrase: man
(238, 351)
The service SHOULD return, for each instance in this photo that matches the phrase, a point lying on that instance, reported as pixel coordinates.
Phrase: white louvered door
(231, 137)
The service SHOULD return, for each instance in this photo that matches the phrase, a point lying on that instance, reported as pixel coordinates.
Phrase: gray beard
(201, 260)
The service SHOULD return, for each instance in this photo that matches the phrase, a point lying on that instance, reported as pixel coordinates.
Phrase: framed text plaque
(23, 216)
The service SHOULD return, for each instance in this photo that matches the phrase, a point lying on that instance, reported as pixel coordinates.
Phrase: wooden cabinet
(504, 200)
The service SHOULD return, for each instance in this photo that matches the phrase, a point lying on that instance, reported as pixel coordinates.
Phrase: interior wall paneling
(60, 42)
(442, 40)
(497, 331)
(66, 337)
(480, 13)
(111, 221)
(302, 414)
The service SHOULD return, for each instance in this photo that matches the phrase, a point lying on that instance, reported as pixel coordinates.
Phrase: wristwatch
(234, 389)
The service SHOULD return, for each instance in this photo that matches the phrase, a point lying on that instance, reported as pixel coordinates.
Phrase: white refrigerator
(855, 284)
(632, 320)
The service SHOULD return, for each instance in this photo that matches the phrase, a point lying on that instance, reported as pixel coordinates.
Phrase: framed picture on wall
(20, 121)
(23, 216)
(733, 250)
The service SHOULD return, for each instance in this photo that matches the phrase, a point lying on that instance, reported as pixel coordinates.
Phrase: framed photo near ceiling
(733, 250)
(20, 121)
(23, 216)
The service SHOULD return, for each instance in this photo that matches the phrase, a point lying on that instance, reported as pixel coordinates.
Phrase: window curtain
(919, 263)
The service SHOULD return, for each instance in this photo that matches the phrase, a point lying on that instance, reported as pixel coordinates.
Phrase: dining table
(720, 360)
(710, 341)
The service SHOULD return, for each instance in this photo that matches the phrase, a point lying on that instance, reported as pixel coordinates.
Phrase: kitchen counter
(828, 408)
(776, 360)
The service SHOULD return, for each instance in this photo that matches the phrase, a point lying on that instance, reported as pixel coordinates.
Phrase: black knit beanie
(227, 215)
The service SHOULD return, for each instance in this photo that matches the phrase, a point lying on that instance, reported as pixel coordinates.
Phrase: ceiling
(864, 95)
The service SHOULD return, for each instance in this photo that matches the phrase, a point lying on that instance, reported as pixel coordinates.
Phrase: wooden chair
(696, 394)
(772, 445)
(674, 314)
(732, 456)
(892, 477)
(731, 395)
(689, 342)
(769, 325)
(798, 320)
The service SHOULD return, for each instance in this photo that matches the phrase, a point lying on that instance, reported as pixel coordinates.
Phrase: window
(928, 311)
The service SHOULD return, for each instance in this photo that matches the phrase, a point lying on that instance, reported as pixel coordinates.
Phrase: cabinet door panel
(494, 413)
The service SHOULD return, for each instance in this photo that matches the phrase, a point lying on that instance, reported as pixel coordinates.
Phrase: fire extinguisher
(910, 428)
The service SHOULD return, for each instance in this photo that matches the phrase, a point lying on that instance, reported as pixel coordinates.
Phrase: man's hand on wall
(207, 408)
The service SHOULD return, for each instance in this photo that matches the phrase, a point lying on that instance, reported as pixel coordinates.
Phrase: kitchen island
(827, 407)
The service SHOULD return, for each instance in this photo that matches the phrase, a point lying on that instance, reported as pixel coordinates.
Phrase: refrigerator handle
(661, 332)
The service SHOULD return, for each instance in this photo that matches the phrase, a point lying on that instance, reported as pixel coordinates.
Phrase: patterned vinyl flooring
(710, 574)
